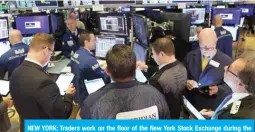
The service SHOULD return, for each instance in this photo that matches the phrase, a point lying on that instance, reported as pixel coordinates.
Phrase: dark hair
(85, 35)
(41, 40)
(121, 62)
(247, 75)
(203, 25)
(165, 45)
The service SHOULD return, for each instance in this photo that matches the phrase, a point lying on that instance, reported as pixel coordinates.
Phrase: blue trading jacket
(70, 42)
(225, 40)
(85, 67)
(12, 59)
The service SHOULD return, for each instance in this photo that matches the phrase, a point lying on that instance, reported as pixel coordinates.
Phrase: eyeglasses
(231, 71)
(52, 52)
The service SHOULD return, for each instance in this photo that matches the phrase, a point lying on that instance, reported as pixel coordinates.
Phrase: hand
(9, 102)
(191, 84)
(207, 113)
(141, 65)
(71, 89)
(213, 89)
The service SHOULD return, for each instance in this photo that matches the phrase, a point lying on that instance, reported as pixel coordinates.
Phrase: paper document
(140, 77)
(4, 87)
(63, 82)
(192, 109)
(94, 85)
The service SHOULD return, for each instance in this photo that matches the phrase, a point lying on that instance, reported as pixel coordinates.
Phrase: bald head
(217, 20)
(208, 41)
(15, 37)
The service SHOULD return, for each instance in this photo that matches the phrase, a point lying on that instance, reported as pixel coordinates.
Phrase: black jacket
(246, 110)
(210, 75)
(170, 81)
(117, 97)
(36, 96)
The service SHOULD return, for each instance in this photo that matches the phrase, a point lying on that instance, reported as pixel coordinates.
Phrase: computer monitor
(157, 1)
(246, 10)
(197, 15)
(229, 16)
(46, 3)
(103, 44)
(4, 28)
(117, 1)
(140, 28)
(181, 21)
(4, 46)
(25, 3)
(29, 25)
(113, 23)
(233, 30)
(27, 40)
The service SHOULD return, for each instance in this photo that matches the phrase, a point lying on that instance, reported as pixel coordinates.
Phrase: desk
(59, 66)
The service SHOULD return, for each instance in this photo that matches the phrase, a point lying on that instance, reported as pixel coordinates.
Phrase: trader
(171, 78)
(85, 66)
(225, 38)
(34, 93)
(79, 23)
(15, 56)
(124, 98)
(205, 68)
(70, 38)
(240, 76)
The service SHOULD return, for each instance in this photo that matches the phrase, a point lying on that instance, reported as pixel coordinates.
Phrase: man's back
(123, 97)
(13, 58)
(225, 40)
(36, 96)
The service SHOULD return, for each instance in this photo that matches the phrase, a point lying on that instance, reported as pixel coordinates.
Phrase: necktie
(204, 62)
(219, 108)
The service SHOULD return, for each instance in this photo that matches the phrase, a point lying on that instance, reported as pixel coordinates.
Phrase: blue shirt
(12, 59)
(85, 67)
(225, 39)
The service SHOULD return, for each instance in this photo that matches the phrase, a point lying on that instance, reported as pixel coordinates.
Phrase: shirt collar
(76, 32)
(33, 61)
(161, 66)
(17, 44)
(210, 57)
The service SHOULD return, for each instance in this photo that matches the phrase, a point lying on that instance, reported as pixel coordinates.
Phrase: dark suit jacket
(36, 96)
(210, 75)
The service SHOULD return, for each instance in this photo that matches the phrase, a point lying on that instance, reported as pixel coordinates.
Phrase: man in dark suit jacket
(205, 68)
(34, 93)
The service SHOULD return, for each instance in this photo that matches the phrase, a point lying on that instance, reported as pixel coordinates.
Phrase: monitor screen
(103, 44)
(26, 40)
(246, 10)
(229, 16)
(54, 22)
(4, 28)
(47, 3)
(25, 3)
(197, 15)
(29, 25)
(4, 47)
(140, 29)
(157, 1)
(117, 1)
(233, 30)
(113, 23)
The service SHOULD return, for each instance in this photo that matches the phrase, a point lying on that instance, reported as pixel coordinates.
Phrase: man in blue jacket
(85, 66)
(225, 38)
(70, 38)
(15, 56)
(205, 68)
